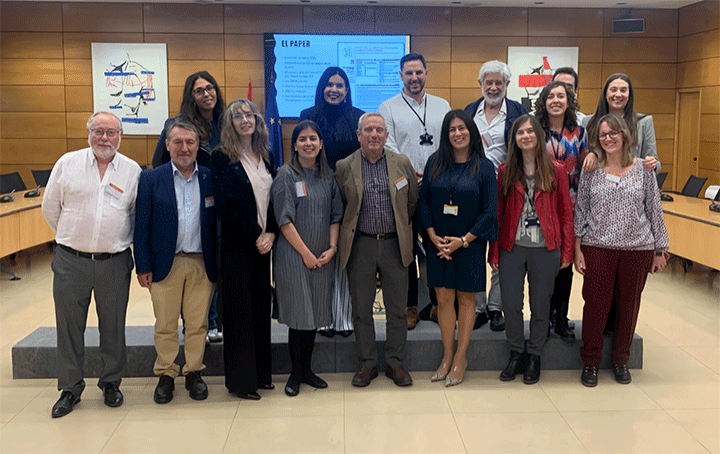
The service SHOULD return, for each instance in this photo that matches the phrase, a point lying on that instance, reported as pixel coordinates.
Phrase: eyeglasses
(200, 90)
(241, 117)
(611, 134)
(98, 133)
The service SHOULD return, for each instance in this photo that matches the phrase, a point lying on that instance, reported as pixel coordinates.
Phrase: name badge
(300, 189)
(209, 202)
(487, 139)
(613, 178)
(452, 210)
(114, 190)
(401, 183)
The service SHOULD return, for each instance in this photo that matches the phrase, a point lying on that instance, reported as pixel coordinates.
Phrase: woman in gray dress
(308, 209)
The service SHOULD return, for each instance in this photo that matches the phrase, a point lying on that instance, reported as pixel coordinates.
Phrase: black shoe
(309, 378)
(565, 333)
(329, 333)
(480, 319)
(65, 404)
(622, 374)
(249, 396)
(571, 324)
(195, 384)
(266, 386)
(112, 395)
(532, 371)
(345, 333)
(515, 366)
(292, 387)
(164, 389)
(497, 322)
(589, 376)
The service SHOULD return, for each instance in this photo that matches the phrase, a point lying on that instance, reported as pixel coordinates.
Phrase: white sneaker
(213, 335)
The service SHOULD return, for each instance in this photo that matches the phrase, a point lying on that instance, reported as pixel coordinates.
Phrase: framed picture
(532, 68)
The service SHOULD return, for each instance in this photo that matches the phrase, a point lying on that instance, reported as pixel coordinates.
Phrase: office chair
(41, 177)
(10, 182)
(693, 186)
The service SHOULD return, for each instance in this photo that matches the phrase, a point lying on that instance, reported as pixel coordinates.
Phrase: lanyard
(455, 182)
(422, 120)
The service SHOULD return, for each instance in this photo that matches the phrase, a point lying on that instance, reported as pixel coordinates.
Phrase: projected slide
(294, 64)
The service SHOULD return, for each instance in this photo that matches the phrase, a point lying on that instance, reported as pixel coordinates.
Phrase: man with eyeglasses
(89, 202)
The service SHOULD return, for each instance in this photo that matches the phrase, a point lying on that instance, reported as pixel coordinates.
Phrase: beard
(105, 153)
(495, 101)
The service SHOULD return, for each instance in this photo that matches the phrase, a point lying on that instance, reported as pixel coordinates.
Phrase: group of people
(536, 191)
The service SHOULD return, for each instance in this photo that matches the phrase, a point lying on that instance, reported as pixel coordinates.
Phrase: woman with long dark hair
(457, 207)
(535, 239)
(242, 173)
(308, 209)
(620, 237)
(566, 142)
(338, 121)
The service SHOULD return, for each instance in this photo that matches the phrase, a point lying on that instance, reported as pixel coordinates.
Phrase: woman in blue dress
(458, 207)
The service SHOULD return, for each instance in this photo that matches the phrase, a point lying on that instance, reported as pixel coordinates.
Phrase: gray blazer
(646, 145)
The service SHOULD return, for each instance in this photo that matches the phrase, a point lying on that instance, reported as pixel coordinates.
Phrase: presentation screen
(295, 62)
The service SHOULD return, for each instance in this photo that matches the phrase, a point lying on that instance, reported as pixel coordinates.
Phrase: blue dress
(476, 199)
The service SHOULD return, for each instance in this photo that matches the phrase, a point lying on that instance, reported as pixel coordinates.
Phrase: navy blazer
(156, 222)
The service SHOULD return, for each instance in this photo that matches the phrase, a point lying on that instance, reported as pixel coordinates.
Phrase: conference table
(693, 229)
(22, 224)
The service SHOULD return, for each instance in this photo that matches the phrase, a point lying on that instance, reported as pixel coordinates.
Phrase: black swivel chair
(10, 182)
(693, 186)
(41, 177)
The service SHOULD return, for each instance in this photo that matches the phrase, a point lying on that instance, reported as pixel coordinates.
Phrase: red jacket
(554, 210)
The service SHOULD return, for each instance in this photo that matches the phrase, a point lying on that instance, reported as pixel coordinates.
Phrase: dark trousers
(246, 319)
(560, 299)
(75, 279)
(611, 272)
(370, 256)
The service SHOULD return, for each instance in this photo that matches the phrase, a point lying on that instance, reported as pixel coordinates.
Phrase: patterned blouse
(570, 148)
(624, 214)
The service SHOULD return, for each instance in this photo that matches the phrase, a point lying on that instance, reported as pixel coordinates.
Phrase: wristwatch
(465, 243)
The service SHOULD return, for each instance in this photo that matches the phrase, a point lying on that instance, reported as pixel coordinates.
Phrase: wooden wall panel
(464, 75)
(709, 155)
(701, 45)
(25, 171)
(258, 95)
(32, 72)
(646, 75)
(30, 45)
(433, 48)
(573, 22)
(77, 124)
(78, 72)
(179, 70)
(587, 100)
(239, 73)
(658, 22)
(438, 75)
(591, 75)
(590, 50)
(79, 98)
(710, 100)
(244, 47)
(490, 22)
(699, 17)
(479, 49)
(26, 98)
(710, 128)
(640, 50)
(77, 45)
(20, 125)
(664, 126)
(665, 151)
(461, 97)
(713, 177)
(260, 19)
(338, 19)
(135, 148)
(32, 150)
(698, 73)
(654, 101)
(86, 17)
(414, 21)
(31, 16)
(182, 18)
(187, 46)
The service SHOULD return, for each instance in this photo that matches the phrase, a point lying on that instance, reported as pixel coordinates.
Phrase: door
(687, 137)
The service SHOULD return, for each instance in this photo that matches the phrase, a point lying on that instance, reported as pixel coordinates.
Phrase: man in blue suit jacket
(175, 259)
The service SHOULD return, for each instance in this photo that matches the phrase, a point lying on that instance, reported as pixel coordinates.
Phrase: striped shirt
(376, 211)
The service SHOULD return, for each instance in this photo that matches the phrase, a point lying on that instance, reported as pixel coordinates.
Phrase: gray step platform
(35, 356)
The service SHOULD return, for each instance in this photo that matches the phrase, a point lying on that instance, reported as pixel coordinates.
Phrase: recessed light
(539, 3)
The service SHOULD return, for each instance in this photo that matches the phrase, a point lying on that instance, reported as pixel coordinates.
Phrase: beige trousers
(186, 288)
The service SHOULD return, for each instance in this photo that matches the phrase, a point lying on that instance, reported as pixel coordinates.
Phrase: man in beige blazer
(380, 192)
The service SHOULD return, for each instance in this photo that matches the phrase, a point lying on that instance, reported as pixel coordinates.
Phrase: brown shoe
(365, 376)
(434, 313)
(399, 375)
(412, 317)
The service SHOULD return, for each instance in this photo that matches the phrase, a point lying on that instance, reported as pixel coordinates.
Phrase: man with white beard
(89, 202)
(494, 114)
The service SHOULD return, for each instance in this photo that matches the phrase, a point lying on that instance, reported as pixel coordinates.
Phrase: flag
(249, 94)
(272, 119)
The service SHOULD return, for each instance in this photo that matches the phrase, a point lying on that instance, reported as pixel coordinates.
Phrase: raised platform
(35, 356)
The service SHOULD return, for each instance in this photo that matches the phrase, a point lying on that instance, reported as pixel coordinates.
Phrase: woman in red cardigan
(536, 238)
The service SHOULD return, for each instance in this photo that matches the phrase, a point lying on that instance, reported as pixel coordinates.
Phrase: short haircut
(102, 112)
(366, 115)
(568, 70)
(179, 123)
(412, 57)
(495, 66)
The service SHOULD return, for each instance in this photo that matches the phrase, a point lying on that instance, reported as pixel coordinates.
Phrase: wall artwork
(532, 68)
(130, 80)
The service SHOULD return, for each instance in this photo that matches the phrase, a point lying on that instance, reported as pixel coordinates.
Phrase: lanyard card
(209, 202)
(613, 178)
(300, 189)
(114, 190)
(452, 210)
(401, 183)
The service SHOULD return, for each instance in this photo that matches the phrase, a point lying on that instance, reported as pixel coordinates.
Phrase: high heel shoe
(454, 381)
(438, 375)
